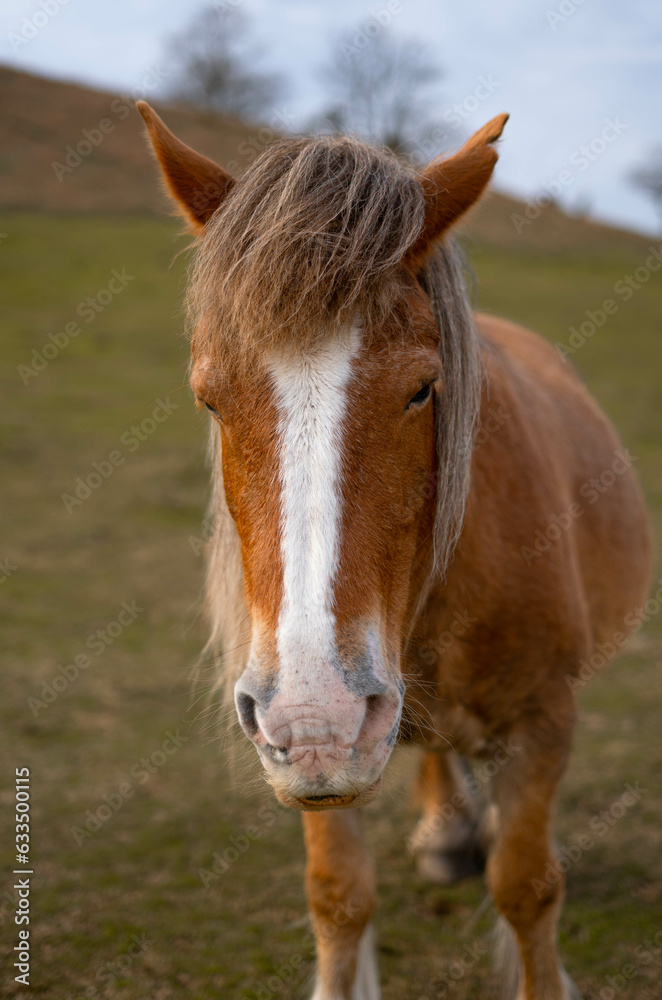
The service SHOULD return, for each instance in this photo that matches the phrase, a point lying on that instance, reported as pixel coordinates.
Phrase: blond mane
(312, 233)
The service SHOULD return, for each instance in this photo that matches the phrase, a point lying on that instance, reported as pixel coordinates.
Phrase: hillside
(41, 119)
(43, 122)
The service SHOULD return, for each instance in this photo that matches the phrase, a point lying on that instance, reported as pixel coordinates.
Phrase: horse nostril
(374, 705)
(246, 712)
(381, 719)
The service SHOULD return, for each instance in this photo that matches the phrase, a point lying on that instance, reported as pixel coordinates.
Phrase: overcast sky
(565, 70)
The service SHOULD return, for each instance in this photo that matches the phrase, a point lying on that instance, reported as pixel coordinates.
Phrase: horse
(423, 526)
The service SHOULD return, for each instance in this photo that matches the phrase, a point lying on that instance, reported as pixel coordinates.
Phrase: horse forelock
(313, 234)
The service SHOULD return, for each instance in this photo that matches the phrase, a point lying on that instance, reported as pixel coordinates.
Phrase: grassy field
(99, 602)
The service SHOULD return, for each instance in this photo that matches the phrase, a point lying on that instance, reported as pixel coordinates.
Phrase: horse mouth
(317, 803)
(326, 801)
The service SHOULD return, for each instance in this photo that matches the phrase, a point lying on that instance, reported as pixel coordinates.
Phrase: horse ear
(196, 184)
(452, 185)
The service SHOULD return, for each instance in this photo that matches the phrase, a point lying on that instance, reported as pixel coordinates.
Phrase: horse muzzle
(322, 745)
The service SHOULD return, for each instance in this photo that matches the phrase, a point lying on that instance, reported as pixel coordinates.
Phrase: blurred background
(161, 871)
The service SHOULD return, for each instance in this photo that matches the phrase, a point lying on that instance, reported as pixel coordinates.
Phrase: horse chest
(441, 724)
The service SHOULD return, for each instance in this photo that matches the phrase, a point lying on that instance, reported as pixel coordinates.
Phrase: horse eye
(211, 409)
(421, 396)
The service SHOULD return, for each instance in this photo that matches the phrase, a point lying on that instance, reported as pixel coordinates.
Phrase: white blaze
(311, 393)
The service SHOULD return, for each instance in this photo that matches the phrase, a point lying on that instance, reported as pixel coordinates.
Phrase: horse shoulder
(540, 573)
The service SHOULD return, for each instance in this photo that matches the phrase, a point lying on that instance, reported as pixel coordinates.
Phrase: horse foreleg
(340, 886)
(447, 842)
(522, 858)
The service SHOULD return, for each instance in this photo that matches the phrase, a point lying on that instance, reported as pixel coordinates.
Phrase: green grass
(129, 541)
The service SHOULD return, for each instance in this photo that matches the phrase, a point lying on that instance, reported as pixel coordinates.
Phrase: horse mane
(312, 235)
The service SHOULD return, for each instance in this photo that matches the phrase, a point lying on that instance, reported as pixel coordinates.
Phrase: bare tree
(379, 87)
(213, 65)
(648, 178)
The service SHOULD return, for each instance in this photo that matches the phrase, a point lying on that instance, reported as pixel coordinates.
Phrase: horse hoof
(446, 867)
